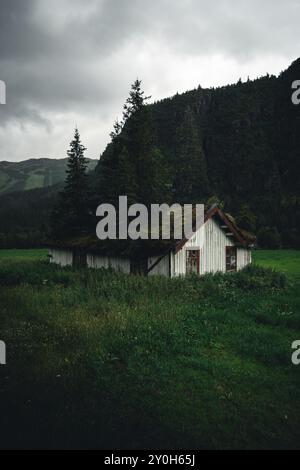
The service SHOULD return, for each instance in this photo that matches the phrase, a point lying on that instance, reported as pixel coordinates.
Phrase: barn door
(192, 261)
(231, 258)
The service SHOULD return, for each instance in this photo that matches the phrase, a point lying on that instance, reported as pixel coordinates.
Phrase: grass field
(97, 359)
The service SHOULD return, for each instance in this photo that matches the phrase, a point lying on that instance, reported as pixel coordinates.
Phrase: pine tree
(70, 216)
(133, 104)
(118, 172)
(134, 165)
(136, 100)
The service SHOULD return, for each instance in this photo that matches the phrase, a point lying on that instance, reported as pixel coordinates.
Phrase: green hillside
(33, 173)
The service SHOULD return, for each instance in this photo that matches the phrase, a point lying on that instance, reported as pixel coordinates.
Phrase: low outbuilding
(219, 245)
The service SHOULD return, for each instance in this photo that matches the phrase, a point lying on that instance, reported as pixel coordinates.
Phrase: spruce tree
(136, 100)
(152, 176)
(70, 216)
(133, 164)
(118, 173)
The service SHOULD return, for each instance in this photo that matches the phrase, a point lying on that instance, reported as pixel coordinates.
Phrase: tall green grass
(105, 360)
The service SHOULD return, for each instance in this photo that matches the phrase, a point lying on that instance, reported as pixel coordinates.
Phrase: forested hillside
(239, 144)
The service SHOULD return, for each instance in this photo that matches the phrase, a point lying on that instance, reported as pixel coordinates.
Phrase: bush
(257, 277)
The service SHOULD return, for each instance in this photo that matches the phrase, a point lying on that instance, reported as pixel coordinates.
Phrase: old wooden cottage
(217, 246)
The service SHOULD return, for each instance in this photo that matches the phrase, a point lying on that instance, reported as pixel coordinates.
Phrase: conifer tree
(136, 100)
(70, 216)
(134, 165)
(118, 173)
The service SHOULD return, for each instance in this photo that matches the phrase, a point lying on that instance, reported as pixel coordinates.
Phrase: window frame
(197, 251)
(228, 249)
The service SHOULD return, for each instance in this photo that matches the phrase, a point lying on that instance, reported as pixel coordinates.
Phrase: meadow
(97, 359)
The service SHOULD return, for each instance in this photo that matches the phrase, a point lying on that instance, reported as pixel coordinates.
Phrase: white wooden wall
(61, 257)
(244, 257)
(211, 240)
(118, 264)
(214, 253)
(162, 268)
(64, 257)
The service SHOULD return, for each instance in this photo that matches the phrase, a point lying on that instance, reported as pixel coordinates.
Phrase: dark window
(192, 261)
(230, 258)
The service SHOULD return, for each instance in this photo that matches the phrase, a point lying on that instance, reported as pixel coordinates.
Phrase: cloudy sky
(71, 62)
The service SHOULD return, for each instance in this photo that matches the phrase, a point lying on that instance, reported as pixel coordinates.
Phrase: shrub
(257, 277)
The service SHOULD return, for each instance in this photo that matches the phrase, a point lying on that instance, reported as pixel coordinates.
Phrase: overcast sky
(71, 62)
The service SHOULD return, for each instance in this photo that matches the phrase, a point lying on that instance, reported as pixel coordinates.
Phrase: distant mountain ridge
(34, 173)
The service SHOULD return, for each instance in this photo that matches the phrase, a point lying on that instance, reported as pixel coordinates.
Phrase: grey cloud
(77, 58)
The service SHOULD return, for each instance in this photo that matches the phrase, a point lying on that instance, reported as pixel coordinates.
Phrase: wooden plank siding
(211, 241)
(244, 257)
(162, 268)
(108, 262)
(61, 256)
(65, 257)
